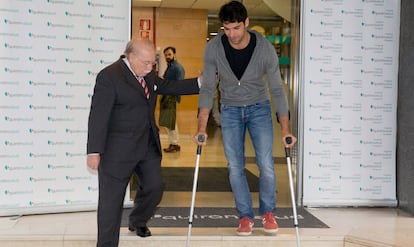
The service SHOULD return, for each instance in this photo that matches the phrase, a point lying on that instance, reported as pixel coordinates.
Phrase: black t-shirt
(239, 59)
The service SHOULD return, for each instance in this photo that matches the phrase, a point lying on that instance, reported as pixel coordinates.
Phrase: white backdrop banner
(50, 53)
(349, 79)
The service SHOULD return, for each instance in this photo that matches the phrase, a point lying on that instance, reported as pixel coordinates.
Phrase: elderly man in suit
(123, 138)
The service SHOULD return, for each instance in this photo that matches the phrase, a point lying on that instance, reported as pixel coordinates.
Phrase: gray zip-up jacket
(252, 87)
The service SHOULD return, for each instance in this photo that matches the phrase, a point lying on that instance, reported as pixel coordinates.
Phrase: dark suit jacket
(121, 117)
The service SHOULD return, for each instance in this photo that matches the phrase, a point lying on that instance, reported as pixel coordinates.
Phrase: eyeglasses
(146, 63)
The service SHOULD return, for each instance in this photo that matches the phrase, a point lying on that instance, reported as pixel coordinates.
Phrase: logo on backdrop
(51, 53)
(351, 55)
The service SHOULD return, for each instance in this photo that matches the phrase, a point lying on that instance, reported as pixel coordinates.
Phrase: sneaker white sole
(271, 231)
(244, 233)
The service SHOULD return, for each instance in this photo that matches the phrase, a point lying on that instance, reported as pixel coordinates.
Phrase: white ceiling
(258, 10)
(254, 7)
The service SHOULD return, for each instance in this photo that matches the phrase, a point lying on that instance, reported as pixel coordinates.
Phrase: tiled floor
(348, 227)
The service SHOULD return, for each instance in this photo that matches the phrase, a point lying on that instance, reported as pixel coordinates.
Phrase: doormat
(209, 179)
(223, 217)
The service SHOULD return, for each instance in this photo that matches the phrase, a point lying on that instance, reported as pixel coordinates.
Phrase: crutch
(201, 138)
(292, 193)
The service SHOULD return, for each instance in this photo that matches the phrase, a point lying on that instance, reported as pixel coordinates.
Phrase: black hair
(169, 48)
(233, 11)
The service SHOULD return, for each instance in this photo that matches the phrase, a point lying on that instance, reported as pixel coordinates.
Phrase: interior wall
(186, 30)
(141, 14)
(405, 117)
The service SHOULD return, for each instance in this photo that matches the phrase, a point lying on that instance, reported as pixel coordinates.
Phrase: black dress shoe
(143, 231)
(140, 231)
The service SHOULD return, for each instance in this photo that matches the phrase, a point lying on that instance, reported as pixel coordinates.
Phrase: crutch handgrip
(200, 138)
(287, 150)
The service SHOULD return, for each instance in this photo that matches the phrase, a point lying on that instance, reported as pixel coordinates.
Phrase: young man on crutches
(241, 58)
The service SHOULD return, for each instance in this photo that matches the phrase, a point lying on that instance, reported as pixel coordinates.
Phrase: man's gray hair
(134, 45)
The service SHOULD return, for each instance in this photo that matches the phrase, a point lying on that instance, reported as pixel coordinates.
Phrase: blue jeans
(257, 119)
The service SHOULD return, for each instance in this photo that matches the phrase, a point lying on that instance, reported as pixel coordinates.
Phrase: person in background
(168, 103)
(242, 58)
(123, 138)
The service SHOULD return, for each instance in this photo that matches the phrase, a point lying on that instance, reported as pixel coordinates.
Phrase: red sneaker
(245, 227)
(269, 223)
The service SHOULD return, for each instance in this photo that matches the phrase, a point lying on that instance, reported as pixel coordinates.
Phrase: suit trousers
(112, 194)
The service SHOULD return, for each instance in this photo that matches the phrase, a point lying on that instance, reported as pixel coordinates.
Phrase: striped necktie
(144, 86)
